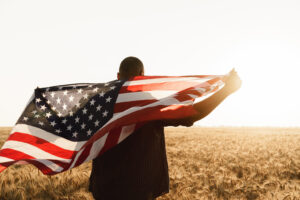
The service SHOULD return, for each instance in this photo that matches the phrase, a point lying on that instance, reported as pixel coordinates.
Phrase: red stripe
(14, 154)
(42, 144)
(120, 107)
(18, 155)
(215, 89)
(212, 81)
(191, 92)
(156, 77)
(84, 155)
(183, 97)
(177, 86)
(185, 94)
(61, 163)
(46, 170)
(111, 140)
(146, 77)
(3, 167)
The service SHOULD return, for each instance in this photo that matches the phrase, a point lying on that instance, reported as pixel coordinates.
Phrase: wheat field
(204, 163)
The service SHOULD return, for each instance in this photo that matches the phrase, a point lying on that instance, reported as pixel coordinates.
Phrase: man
(137, 168)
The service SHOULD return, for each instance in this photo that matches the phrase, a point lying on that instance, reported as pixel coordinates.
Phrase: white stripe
(51, 165)
(4, 159)
(31, 150)
(163, 80)
(193, 96)
(54, 167)
(99, 141)
(207, 94)
(146, 95)
(96, 148)
(165, 102)
(59, 141)
(22, 162)
(76, 158)
(201, 90)
(126, 131)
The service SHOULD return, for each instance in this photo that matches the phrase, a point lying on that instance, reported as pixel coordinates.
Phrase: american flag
(65, 126)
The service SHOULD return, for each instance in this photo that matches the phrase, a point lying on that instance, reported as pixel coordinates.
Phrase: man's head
(130, 67)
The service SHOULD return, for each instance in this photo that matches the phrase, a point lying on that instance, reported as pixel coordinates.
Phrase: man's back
(137, 166)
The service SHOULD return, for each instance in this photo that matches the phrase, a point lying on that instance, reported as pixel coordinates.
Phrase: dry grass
(204, 163)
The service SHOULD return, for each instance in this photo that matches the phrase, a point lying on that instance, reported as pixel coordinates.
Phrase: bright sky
(44, 43)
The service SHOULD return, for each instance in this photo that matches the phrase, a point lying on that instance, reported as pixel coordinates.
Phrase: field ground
(204, 163)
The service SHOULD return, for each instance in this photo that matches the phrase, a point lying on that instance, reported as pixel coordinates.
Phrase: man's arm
(232, 84)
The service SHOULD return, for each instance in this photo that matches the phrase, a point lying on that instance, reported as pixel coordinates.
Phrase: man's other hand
(232, 84)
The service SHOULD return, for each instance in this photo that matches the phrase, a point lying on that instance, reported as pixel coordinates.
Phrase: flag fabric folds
(65, 126)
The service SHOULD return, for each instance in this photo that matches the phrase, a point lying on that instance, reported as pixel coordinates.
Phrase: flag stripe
(41, 144)
(46, 166)
(96, 148)
(120, 107)
(51, 166)
(42, 134)
(126, 131)
(15, 154)
(31, 150)
(112, 139)
(74, 160)
(4, 159)
(175, 86)
(147, 95)
(164, 80)
(84, 154)
(160, 77)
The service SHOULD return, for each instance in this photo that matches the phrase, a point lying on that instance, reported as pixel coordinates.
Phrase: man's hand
(232, 82)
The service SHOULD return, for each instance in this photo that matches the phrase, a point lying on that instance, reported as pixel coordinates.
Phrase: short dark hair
(130, 66)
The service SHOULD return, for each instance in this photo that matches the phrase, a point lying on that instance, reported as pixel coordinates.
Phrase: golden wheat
(204, 163)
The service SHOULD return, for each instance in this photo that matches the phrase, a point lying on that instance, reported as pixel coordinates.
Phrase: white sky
(44, 43)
